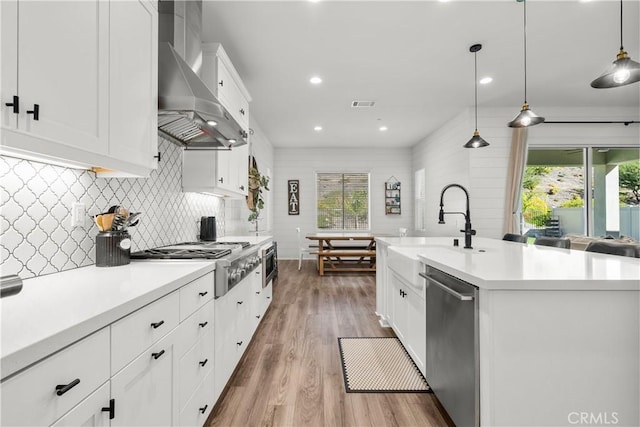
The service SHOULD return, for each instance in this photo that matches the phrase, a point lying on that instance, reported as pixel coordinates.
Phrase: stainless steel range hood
(188, 113)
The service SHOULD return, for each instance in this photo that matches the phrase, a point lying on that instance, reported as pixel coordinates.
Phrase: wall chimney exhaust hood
(188, 113)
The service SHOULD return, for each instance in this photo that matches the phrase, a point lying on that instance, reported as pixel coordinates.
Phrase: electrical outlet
(78, 215)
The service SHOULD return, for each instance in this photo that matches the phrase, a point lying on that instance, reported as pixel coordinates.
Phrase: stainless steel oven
(269, 263)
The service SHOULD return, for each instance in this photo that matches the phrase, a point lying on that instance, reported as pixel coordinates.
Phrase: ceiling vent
(359, 104)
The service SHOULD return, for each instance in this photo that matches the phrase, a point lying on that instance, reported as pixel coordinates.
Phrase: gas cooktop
(192, 250)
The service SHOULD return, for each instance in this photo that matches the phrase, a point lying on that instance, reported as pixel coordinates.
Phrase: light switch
(78, 214)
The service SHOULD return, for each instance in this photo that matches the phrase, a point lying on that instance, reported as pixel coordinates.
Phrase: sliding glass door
(586, 191)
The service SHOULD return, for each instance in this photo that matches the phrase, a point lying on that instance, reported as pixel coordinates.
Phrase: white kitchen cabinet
(133, 82)
(219, 74)
(198, 408)
(46, 391)
(85, 77)
(94, 411)
(145, 390)
(195, 364)
(217, 172)
(408, 318)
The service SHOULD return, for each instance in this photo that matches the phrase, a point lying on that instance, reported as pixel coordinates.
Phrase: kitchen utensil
(107, 221)
(98, 220)
(208, 228)
(132, 219)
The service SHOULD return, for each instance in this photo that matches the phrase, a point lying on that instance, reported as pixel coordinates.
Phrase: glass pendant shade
(623, 71)
(525, 118)
(476, 141)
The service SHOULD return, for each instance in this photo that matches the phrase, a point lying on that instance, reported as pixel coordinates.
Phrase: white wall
(302, 164)
(484, 171)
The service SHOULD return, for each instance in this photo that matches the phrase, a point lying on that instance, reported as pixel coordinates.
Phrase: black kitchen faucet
(468, 232)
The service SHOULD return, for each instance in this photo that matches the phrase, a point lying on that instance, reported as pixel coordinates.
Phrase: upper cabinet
(219, 74)
(79, 83)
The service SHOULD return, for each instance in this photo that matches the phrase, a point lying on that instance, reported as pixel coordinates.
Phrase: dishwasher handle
(461, 297)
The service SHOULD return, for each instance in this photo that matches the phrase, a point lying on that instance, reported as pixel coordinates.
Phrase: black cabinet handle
(242, 187)
(268, 297)
(157, 355)
(258, 316)
(15, 104)
(111, 409)
(63, 388)
(35, 112)
(239, 343)
(240, 302)
(242, 111)
(157, 324)
(221, 82)
(203, 293)
(158, 156)
(204, 362)
(202, 325)
(203, 409)
(258, 293)
(221, 180)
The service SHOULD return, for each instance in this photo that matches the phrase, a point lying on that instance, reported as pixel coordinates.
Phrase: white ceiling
(412, 58)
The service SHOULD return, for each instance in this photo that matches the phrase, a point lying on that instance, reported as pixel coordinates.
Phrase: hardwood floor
(290, 375)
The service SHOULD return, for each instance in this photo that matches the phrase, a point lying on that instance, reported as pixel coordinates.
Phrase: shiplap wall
(484, 171)
(302, 164)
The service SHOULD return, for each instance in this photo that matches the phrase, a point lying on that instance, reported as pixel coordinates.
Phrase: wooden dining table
(345, 252)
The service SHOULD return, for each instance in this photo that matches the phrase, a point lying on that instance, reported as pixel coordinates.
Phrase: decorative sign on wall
(392, 196)
(293, 190)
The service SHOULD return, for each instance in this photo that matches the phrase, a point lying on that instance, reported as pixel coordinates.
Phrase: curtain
(517, 163)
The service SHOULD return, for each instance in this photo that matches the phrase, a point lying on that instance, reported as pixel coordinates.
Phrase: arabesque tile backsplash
(36, 200)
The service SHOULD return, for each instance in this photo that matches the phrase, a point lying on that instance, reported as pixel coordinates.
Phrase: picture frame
(392, 197)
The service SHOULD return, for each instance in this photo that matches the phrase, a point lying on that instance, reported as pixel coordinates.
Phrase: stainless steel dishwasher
(452, 360)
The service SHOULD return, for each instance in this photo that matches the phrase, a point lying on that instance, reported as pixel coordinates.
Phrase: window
(420, 199)
(342, 201)
(587, 191)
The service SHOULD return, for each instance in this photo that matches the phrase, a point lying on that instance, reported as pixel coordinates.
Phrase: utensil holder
(113, 248)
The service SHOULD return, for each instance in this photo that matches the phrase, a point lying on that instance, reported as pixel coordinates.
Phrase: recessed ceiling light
(212, 123)
(317, 128)
(486, 80)
(315, 80)
(383, 128)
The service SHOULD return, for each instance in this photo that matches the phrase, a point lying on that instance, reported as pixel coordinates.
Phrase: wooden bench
(346, 260)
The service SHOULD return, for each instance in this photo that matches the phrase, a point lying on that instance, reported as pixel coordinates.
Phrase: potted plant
(257, 184)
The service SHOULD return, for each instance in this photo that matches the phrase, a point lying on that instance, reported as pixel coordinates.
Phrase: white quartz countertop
(254, 240)
(498, 264)
(53, 311)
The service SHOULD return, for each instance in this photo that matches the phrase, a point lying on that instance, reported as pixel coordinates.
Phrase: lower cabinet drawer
(194, 327)
(195, 365)
(199, 407)
(196, 294)
(49, 389)
(134, 333)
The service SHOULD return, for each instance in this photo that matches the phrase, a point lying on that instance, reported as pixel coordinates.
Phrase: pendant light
(526, 117)
(476, 140)
(623, 70)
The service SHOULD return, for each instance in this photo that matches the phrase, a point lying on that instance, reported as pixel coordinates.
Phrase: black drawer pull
(157, 355)
(203, 293)
(258, 316)
(239, 343)
(203, 409)
(15, 104)
(111, 409)
(240, 302)
(157, 324)
(268, 297)
(204, 362)
(35, 112)
(62, 388)
(221, 82)
(258, 293)
(202, 325)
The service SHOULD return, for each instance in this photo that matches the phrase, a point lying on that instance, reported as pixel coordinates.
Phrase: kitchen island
(558, 331)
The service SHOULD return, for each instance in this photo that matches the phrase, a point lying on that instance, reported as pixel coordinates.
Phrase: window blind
(343, 201)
